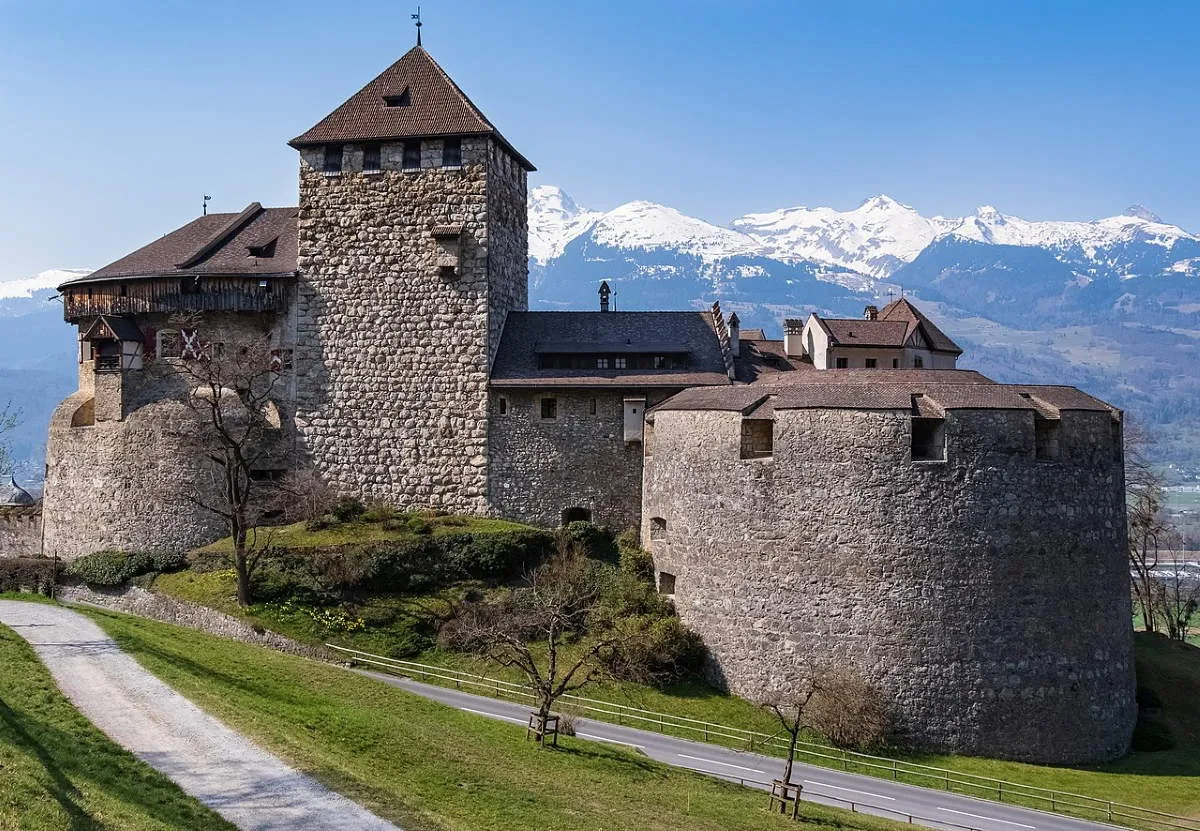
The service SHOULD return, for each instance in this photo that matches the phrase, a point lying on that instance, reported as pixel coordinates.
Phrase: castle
(844, 494)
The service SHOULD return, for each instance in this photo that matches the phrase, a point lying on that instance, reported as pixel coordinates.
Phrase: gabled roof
(528, 334)
(886, 333)
(233, 244)
(112, 327)
(903, 310)
(412, 98)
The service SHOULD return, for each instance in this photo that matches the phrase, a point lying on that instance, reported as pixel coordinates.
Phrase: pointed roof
(13, 494)
(903, 310)
(412, 98)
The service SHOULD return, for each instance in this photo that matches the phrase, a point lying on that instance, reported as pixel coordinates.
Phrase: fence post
(1000, 791)
(845, 761)
(895, 770)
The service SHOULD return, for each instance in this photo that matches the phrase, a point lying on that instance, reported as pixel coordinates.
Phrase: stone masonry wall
(120, 478)
(540, 468)
(393, 358)
(986, 596)
(508, 242)
(20, 531)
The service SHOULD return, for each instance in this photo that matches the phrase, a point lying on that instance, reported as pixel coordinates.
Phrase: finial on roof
(417, 17)
(205, 204)
(605, 292)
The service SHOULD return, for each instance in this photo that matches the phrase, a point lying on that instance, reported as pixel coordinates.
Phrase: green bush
(665, 652)
(1151, 735)
(110, 568)
(595, 542)
(635, 560)
(33, 574)
(420, 525)
(348, 509)
(168, 561)
(379, 512)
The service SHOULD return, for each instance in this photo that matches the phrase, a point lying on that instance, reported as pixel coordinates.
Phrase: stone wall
(540, 468)
(20, 531)
(119, 468)
(135, 601)
(393, 356)
(986, 596)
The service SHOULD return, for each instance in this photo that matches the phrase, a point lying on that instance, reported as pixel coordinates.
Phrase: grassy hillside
(58, 771)
(427, 766)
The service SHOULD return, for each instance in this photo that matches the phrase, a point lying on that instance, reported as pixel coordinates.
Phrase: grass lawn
(58, 771)
(1167, 781)
(366, 530)
(426, 766)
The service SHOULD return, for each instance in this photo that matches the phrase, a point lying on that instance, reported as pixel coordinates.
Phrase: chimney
(605, 292)
(871, 313)
(793, 338)
(735, 334)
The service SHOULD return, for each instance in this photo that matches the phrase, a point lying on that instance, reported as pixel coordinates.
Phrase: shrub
(395, 524)
(496, 556)
(348, 509)
(320, 523)
(666, 652)
(379, 512)
(420, 525)
(566, 724)
(168, 561)
(1151, 735)
(635, 560)
(595, 542)
(848, 711)
(110, 568)
(32, 574)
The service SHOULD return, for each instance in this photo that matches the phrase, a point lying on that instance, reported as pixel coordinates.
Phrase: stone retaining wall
(134, 601)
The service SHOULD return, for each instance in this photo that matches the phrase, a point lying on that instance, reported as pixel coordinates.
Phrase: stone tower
(413, 245)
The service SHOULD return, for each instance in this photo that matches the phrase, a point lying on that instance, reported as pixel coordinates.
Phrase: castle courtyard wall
(987, 596)
(20, 530)
(540, 468)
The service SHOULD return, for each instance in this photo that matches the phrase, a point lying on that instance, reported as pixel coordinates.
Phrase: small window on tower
(412, 155)
(620, 363)
(452, 152)
(918, 362)
(502, 405)
(549, 409)
(895, 363)
(602, 363)
(871, 363)
(840, 363)
(592, 407)
(371, 156)
(333, 158)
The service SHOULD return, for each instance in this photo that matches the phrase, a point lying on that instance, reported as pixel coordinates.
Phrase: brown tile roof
(256, 241)
(764, 360)
(903, 310)
(752, 334)
(867, 332)
(436, 107)
(528, 334)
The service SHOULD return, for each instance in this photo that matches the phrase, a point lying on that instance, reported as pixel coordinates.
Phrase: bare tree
(790, 705)
(9, 417)
(553, 629)
(235, 433)
(1149, 528)
(1178, 599)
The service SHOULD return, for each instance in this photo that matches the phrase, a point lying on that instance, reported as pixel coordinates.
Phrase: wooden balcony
(173, 296)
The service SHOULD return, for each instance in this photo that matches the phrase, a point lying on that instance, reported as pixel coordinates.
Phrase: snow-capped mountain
(554, 220)
(29, 287)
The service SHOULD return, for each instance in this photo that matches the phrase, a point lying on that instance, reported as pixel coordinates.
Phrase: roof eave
(114, 278)
(301, 142)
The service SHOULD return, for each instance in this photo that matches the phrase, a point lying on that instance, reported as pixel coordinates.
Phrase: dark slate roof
(526, 334)
(437, 107)
(214, 244)
(113, 327)
(766, 361)
(13, 494)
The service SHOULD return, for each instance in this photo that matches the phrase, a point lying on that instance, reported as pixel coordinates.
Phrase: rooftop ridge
(222, 235)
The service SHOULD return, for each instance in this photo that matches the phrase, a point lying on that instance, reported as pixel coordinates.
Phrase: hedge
(33, 574)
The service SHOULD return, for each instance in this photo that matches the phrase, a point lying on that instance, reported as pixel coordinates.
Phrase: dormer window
(263, 249)
(401, 100)
(333, 158)
(412, 155)
(452, 152)
(371, 155)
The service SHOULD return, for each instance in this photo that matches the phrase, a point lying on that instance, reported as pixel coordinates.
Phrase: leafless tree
(790, 704)
(9, 417)
(235, 432)
(848, 711)
(552, 629)
(1177, 599)
(1149, 528)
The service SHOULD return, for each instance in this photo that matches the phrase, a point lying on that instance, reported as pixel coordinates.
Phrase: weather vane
(205, 208)
(417, 17)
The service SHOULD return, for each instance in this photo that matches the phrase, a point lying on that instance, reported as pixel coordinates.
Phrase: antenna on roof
(205, 206)
(417, 17)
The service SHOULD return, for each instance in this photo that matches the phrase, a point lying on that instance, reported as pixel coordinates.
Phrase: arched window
(658, 528)
(576, 514)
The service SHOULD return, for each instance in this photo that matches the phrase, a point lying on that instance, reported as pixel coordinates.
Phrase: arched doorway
(576, 514)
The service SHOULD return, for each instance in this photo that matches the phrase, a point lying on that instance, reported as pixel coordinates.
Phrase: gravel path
(221, 768)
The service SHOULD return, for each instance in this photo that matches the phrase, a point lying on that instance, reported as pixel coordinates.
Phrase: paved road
(221, 768)
(936, 809)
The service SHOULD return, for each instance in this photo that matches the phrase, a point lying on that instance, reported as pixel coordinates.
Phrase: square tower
(413, 249)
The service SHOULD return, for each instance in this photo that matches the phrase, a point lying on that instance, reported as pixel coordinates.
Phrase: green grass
(426, 766)
(362, 530)
(1164, 781)
(58, 771)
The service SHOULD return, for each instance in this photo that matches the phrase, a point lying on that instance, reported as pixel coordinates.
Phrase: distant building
(958, 542)
(20, 521)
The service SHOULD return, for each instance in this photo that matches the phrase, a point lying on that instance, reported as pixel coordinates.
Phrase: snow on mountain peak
(554, 220)
(648, 225)
(1142, 212)
(28, 287)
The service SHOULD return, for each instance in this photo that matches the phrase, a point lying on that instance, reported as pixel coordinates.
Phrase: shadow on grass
(61, 788)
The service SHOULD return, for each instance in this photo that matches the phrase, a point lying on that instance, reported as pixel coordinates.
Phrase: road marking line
(715, 762)
(851, 790)
(610, 741)
(493, 715)
(980, 816)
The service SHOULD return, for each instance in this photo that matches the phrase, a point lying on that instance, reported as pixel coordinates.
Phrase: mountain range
(1111, 305)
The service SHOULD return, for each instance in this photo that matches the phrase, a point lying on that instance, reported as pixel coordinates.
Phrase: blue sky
(116, 117)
